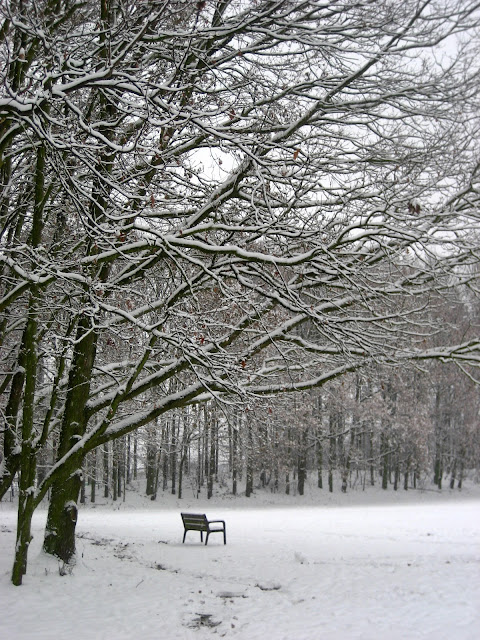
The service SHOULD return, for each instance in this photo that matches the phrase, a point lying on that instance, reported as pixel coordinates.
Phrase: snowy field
(401, 566)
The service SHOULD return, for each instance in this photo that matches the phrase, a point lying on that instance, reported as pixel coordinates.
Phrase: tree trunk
(249, 479)
(206, 444)
(249, 461)
(319, 457)
(93, 476)
(135, 456)
(27, 453)
(114, 472)
(302, 462)
(453, 474)
(28, 356)
(105, 472)
(11, 459)
(128, 470)
(150, 466)
(332, 449)
(165, 455)
(183, 459)
(62, 513)
(440, 419)
(384, 454)
(234, 459)
(26, 493)
(83, 491)
(212, 459)
(460, 476)
(396, 476)
(62, 518)
(24, 522)
(120, 465)
(173, 453)
(438, 471)
(372, 466)
(199, 462)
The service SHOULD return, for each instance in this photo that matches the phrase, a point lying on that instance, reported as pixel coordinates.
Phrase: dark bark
(234, 459)
(460, 475)
(440, 422)
(114, 471)
(319, 458)
(249, 461)
(24, 537)
(105, 471)
(438, 470)
(150, 465)
(183, 458)
(10, 454)
(128, 474)
(396, 476)
(372, 466)
(28, 356)
(83, 490)
(135, 459)
(385, 460)
(62, 514)
(302, 462)
(62, 518)
(213, 457)
(206, 446)
(173, 455)
(165, 455)
(93, 476)
(332, 449)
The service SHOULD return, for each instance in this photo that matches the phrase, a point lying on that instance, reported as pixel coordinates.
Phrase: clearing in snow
(357, 566)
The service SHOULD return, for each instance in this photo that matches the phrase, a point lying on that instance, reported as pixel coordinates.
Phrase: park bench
(199, 522)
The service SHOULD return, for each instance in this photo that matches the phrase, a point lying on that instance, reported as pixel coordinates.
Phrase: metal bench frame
(199, 522)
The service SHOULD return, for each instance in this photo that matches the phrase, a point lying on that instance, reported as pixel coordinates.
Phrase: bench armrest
(216, 521)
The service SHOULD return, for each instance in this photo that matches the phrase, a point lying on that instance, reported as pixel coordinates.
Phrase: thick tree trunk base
(59, 538)
(24, 537)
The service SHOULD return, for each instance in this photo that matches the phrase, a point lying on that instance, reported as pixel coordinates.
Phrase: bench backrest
(195, 521)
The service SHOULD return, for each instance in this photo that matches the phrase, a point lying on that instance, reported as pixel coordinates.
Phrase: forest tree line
(412, 431)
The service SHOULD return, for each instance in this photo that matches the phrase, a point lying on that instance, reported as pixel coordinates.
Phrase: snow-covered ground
(368, 565)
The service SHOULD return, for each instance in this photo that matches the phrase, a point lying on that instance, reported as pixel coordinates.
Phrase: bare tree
(186, 186)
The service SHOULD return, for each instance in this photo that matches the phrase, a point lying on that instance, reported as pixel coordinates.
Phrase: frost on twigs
(217, 203)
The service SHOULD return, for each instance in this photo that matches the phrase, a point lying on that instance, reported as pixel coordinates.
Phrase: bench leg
(224, 537)
(184, 534)
(201, 536)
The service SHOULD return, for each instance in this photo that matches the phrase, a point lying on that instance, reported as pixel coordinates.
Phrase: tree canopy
(227, 199)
